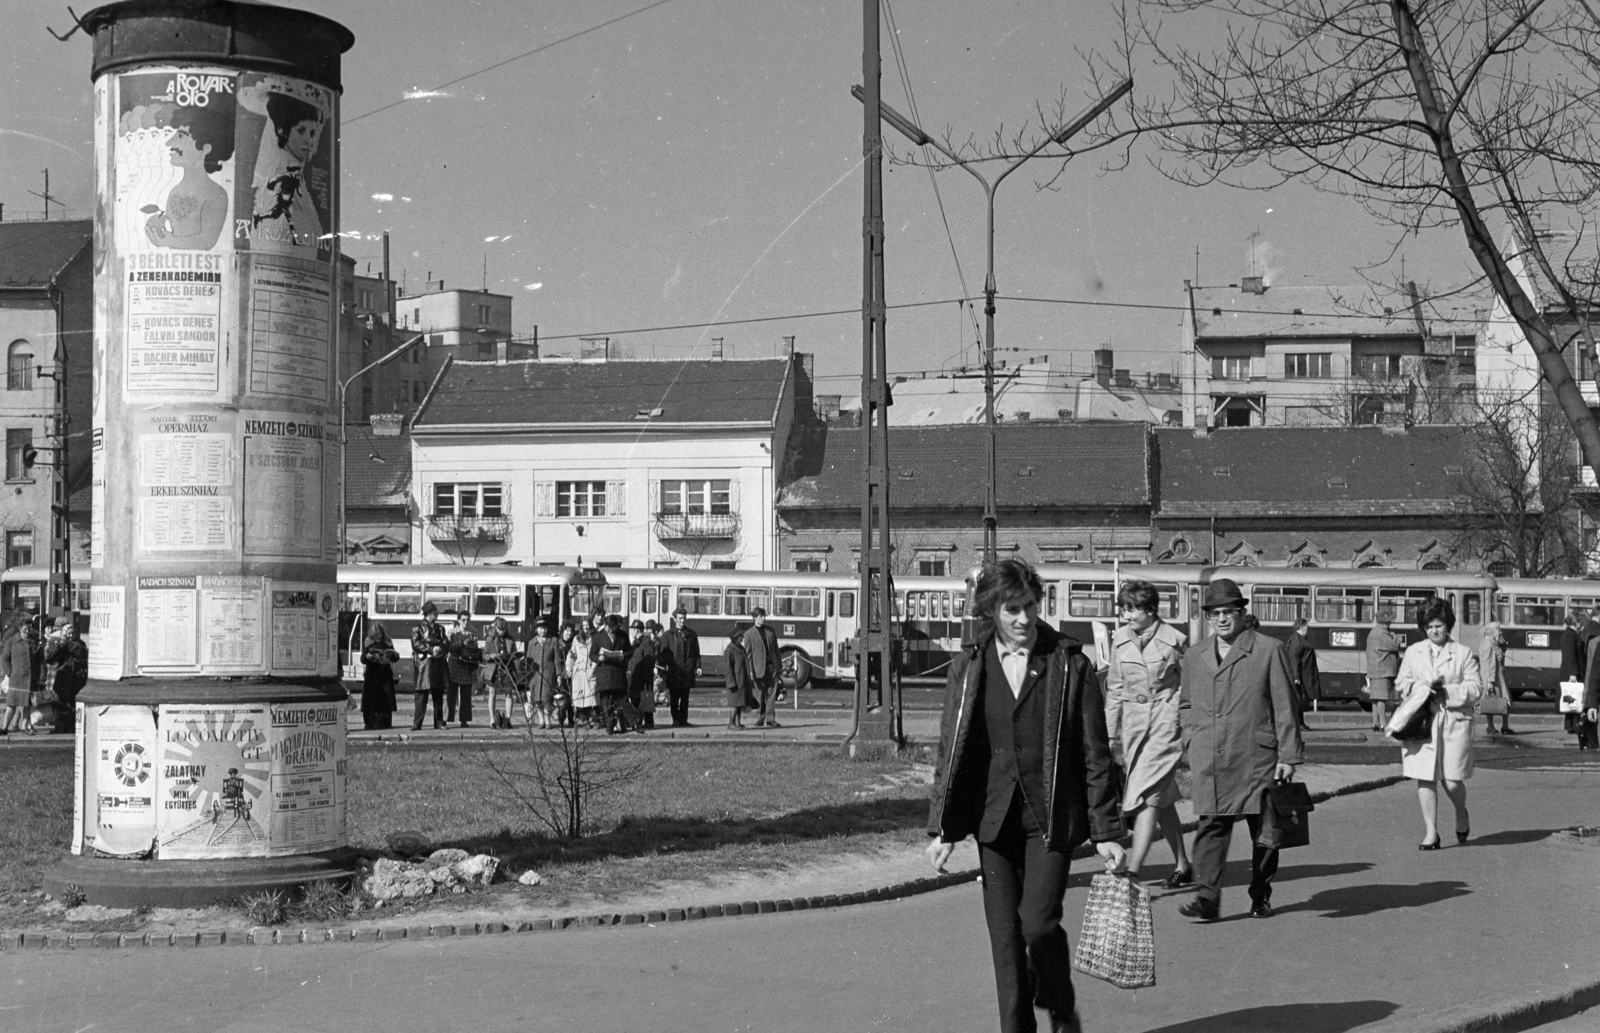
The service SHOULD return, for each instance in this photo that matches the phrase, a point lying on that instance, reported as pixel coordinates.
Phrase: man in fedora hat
(1241, 733)
(430, 667)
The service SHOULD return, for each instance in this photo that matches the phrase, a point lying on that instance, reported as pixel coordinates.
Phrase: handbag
(1413, 718)
(1285, 807)
(1571, 698)
(1118, 941)
(1494, 706)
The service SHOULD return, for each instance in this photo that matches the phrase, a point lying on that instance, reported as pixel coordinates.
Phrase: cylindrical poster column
(211, 734)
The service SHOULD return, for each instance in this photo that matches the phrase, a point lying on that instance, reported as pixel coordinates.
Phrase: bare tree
(1427, 114)
(563, 782)
(464, 539)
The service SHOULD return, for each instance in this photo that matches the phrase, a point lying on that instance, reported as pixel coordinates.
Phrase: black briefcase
(1285, 816)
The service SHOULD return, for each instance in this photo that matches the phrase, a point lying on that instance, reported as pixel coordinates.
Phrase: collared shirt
(1014, 659)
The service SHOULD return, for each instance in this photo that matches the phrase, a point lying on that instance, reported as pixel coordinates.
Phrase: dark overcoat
(1238, 721)
(1084, 799)
(544, 668)
(736, 674)
(680, 656)
(610, 675)
(1303, 670)
(430, 666)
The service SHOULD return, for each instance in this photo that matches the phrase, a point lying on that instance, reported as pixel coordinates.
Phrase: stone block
(633, 919)
(676, 914)
(366, 934)
(210, 938)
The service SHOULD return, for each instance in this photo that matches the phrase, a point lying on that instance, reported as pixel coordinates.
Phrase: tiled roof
(1574, 258)
(1316, 311)
(1058, 465)
(377, 469)
(32, 254)
(696, 391)
(1311, 471)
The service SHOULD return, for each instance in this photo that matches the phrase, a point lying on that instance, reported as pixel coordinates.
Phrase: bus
(1078, 596)
(929, 615)
(394, 595)
(1530, 612)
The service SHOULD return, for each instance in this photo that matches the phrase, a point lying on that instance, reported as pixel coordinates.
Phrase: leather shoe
(1261, 909)
(1065, 1024)
(1200, 909)
(1179, 878)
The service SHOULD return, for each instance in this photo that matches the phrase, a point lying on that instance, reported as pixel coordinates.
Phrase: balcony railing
(670, 526)
(469, 528)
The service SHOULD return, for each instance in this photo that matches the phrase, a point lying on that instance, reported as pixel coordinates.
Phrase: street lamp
(910, 130)
(344, 436)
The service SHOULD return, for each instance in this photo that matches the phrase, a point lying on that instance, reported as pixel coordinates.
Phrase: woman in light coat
(1142, 679)
(1492, 668)
(580, 675)
(1449, 671)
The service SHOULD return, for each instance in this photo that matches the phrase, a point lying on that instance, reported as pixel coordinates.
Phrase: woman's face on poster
(303, 138)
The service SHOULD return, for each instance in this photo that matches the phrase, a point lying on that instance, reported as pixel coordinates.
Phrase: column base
(117, 883)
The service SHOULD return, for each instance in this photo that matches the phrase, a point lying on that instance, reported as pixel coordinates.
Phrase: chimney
(1022, 415)
(828, 408)
(788, 344)
(1253, 284)
(1102, 366)
(1122, 378)
(1063, 414)
(716, 348)
(387, 424)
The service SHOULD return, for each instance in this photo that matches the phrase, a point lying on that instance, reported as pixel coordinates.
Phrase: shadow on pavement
(1334, 1017)
(1355, 901)
(1511, 837)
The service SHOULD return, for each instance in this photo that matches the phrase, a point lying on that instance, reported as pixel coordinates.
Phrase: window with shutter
(544, 499)
(617, 497)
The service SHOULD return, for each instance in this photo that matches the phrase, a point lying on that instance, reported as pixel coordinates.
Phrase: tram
(1531, 612)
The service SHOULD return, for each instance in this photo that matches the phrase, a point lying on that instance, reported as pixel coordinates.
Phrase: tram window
(494, 601)
(1050, 600)
(1344, 605)
(700, 600)
(633, 600)
(352, 597)
(612, 598)
(1091, 599)
(1171, 602)
(1538, 611)
(922, 605)
(1402, 605)
(847, 604)
(1281, 604)
(648, 597)
(1471, 608)
(399, 598)
(539, 601)
(961, 604)
(585, 598)
(944, 605)
(450, 599)
(796, 602)
(1585, 603)
(899, 605)
(742, 602)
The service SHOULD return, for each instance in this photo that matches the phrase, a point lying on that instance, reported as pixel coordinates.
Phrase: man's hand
(1594, 715)
(939, 852)
(1284, 773)
(1115, 857)
(697, 672)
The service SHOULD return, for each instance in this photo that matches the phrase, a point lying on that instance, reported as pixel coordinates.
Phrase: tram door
(839, 627)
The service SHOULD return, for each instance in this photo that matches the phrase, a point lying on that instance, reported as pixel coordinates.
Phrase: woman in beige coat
(1142, 679)
(1449, 671)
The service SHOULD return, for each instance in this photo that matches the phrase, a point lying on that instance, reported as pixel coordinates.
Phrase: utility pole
(874, 644)
(46, 195)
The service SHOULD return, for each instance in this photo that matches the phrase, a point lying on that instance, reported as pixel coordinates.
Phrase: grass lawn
(695, 812)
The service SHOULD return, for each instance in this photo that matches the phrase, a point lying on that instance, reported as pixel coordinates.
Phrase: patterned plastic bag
(1118, 942)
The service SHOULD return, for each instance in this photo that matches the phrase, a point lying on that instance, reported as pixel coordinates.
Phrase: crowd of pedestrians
(595, 673)
(43, 667)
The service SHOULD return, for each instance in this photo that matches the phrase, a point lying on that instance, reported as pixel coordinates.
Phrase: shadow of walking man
(1355, 901)
(1327, 1017)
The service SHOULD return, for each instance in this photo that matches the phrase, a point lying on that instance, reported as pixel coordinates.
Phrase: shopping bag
(1285, 816)
(1118, 942)
(1571, 698)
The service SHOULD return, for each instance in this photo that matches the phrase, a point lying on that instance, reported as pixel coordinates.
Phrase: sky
(699, 162)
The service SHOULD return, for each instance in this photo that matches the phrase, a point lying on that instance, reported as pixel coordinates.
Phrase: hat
(1222, 592)
(637, 623)
(428, 608)
(680, 612)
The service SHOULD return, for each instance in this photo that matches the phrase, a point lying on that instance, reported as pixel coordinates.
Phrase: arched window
(1502, 568)
(1305, 560)
(1435, 563)
(1371, 561)
(19, 367)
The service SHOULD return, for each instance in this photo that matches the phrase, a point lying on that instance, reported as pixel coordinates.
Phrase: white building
(639, 464)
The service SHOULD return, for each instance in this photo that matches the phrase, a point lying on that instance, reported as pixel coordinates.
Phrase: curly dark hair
(1139, 595)
(286, 112)
(211, 125)
(1005, 581)
(1436, 609)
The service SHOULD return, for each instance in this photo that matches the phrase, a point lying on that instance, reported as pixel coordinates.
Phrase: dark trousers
(459, 702)
(1211, 841)
(420, 707)
(678, 703)
(1023, 884)
(767, 698)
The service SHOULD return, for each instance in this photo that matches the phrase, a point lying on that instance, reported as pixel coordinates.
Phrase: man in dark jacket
(69, 656)
(1024, 766)
(680, 659)
(761, 645)
(430, 667)
(1241, 735)
(608, 648)
(1303, 672)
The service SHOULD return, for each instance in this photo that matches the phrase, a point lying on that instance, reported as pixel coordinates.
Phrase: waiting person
(580, 671)
(642, 673)
(1449, 672)
(499, 653)
(1024, 766)
(680, 649)
(20, 659)
(1303, 671)
(465, 655)
(1383, 663)
(378, 657)
(1142, 682)
(736, 678)
(1492, 668)
(761, 643)
(608, 648)
(566, 714)
(68, 655)
(1574, 664)
(1241, 733)
(543, 655)
(430, 667)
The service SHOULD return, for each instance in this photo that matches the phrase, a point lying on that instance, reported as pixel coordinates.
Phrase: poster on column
(79, 727)
(108, 624)
(232, 625)
(186, 500)
(305, 629)
(215, 768)
(175, 168)
(284, 466)
(125, 780)
(167, 619)
(97, 500)
(308, 773)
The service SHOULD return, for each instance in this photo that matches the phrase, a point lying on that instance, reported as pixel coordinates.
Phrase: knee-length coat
(1142, 713)
(1239, 722)
(1448, 754)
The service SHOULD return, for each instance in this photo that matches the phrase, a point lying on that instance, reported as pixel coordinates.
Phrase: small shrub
(72, 896)
(264, 908)
(322, 901)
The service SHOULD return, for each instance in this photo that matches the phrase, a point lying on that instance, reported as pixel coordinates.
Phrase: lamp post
(910, 130)
(344, 436)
